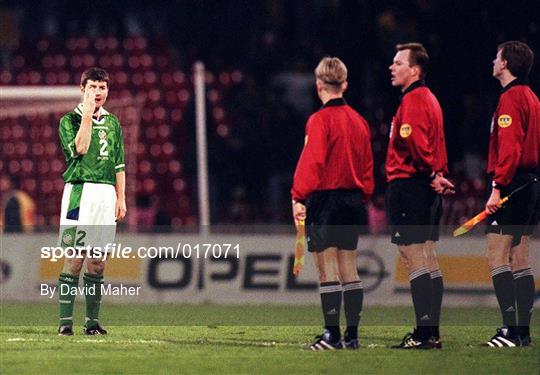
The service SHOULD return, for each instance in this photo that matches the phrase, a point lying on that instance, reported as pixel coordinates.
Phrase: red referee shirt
(515, 133)
(337, 152)
(417, 143)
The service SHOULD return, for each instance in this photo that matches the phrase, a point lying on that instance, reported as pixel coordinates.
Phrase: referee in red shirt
(514, 160)
(332, 181)
(415, 164)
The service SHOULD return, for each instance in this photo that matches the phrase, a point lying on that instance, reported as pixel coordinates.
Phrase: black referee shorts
(519, 216)
(414, 210)
(334, 218)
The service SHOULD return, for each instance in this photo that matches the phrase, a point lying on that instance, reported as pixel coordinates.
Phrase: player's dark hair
(418, 56)
(519, 58)
(94, 74)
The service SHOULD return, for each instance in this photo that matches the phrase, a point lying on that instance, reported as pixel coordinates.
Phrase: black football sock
(421, 292)
(524, 289)
(436, 300)
(503, 283)
(331, 303)
(353, 298)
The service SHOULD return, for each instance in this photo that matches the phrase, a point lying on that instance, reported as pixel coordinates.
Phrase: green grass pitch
(162, 339)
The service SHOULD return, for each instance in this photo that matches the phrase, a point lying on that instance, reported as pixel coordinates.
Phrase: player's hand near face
(492, 204)
(299, 211)
(82, 139)
(89, 100)
(120, 209)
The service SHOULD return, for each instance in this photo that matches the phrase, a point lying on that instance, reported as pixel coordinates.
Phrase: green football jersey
(105, 156)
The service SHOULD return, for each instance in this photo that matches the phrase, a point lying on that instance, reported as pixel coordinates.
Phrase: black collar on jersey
(515, 82)
(414, 85)
(335, 102)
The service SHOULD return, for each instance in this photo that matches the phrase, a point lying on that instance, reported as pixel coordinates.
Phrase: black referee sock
(503, 283)
(524, 290)
(353, 298)
(331, 303)
(421, 292)
(436, 300)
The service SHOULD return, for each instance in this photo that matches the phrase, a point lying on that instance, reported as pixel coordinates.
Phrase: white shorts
(88, 217)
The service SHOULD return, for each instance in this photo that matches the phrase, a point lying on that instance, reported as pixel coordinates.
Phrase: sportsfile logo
(113, 250)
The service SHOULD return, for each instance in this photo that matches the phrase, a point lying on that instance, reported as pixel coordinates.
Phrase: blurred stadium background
(259, 58)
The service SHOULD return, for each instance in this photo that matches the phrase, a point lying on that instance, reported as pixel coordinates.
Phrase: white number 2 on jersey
(103, 150)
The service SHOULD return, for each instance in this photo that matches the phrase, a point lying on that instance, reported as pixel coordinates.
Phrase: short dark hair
(418, 56)
(519, 58)
(94, 74)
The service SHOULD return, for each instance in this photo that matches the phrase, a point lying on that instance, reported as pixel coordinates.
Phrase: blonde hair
(332, 72)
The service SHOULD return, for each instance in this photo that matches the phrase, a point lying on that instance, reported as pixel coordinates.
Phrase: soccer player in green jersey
(93, 199)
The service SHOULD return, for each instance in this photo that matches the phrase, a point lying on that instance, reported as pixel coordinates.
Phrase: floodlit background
(247, 314)
(260, 56)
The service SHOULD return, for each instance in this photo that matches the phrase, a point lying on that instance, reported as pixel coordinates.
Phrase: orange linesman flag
(475, 220)
(482, 215)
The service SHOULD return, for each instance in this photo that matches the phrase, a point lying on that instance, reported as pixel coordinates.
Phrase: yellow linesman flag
(300, 246)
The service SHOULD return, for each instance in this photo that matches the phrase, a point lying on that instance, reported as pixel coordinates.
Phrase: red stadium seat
(160, 114)
(117, 61)
(43, 45)
(43, 166)
(27, 167)
(21, 149)
(145, 167)
(179, 185)
(29, 185)
(213, 96)
(177, 115)
(6, 77)
(175, 167)
(154, 95)
(14, 167)
(149, 186)
(184, 96)
(155, 150)
(57, 166)
(47, 186)
(18, 62)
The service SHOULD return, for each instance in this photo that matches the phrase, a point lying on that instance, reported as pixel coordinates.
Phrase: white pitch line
(142, 341)
(105, 341)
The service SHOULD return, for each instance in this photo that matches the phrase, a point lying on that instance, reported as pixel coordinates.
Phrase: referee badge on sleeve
(405, 130)
(504, 121)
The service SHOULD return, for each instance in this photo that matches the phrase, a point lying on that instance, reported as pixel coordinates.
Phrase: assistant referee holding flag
(514, 161)
(333, 179)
